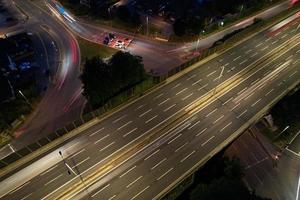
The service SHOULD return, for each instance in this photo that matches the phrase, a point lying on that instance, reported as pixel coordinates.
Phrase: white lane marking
(193, 76)
(247, 97)
(202, 87)
(157, 164)
(298, 188)
(282, 37)
(165, 110)
(101, 139)
(248, 51)
(130, 132)
(158, 96)
(255, 81)
(194, 125)
(288, 58)
(222, 129)
(226, 65)
(101, 190)
(133, 182)
(139, 107)
(278, 33)
(293, 74)
(180, 147)
(53, 179)
(143, 190)
(196, 82)
(211, 112)
(240, 92)
(115, 121)
(66, 149)
(106, 146)
(174, 138)
(112, 197)
(211, 73)
(217, 78)
(204, 143)
(298, 51)
(152, 154)
(237, 58)
(275, 42)
(124, 125)
(265, 48)
(149, 120)
(96, 132)
(26, 196)
(243, 62)
(183, 99)
(235, 107)
(81, 162)
(164, 174)
(161, 103)
(266, 73)
(218, 119)
(242, 113)
(227, 101)
(20, 187)
(186, 157)
(232, 53)
(141, 115)
(176, 86)
(259, 44)
(255, 102)
(269, 92)
(203, 130)
(254, 54)
(181, 91)
(132, 168)
(45, 172)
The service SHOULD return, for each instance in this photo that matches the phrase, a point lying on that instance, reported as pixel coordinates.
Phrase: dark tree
(102, 81)
(179, 27)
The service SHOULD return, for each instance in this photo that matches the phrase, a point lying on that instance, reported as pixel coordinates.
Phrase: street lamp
(24, 97)
(282, 132)
(69, 169)
(147, 24)
(221, 74)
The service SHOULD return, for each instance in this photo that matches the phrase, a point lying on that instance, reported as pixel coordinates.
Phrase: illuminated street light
(24, 97)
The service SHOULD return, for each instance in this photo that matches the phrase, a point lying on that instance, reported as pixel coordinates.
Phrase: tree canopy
(101, 80)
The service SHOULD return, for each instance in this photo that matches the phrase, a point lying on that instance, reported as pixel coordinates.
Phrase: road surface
(149, 170)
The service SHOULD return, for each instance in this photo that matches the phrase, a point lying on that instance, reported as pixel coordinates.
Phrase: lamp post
(147, 24)
(24, 97)
(221, 74)
(69, 169)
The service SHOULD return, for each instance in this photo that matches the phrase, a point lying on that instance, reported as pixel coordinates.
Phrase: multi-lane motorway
(256, 72)
(63, 100)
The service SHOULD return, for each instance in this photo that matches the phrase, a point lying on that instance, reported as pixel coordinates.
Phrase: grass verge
(89, 49)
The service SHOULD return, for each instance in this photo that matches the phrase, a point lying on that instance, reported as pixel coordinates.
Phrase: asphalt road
(61, 109)
(159, 164)
(161, 57)
(55, 109)
(275, 180)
